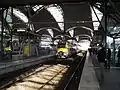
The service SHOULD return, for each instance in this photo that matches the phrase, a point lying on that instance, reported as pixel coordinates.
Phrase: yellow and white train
(63, 50)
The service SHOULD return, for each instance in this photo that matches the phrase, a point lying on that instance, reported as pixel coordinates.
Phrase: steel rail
(67, 85)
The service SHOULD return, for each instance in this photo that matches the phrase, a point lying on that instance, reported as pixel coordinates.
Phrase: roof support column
(2, 30)
(11, 33)
(106, 13)
(64, 25)
(29, 29)
(106, 23)
(114, 51)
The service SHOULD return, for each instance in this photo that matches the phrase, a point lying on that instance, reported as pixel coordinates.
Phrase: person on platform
(101, 58)
(108, 57)
(118, 55)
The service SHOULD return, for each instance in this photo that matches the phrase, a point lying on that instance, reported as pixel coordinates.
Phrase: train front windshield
(61, 45)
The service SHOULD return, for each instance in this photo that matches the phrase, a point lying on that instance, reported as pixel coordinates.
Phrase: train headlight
(65, 52)
(61, 53)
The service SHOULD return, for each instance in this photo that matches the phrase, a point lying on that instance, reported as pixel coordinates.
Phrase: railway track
(42, 75)
(46, 76)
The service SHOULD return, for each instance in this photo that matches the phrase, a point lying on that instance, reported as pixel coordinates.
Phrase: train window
(61, 45)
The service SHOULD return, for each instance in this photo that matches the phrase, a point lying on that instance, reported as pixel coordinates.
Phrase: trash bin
(26, 50)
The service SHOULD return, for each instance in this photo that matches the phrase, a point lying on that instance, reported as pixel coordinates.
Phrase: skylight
(98, 4)
(8, 16)
(45, 41)
(20, 30)
(57, 13)
(77, 38)
(20, 15)
(37, 7)
(109, 40)
(94, 18)
(71, 32)
(50, 32)
(116, 29)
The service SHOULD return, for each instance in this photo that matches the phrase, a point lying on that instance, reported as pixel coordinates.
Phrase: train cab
(62, 50)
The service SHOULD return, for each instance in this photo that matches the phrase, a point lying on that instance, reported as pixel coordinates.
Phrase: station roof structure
(74, 18)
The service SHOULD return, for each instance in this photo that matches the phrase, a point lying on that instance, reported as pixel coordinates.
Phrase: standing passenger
(101, 59)
(101, 55)
(90, 50)
(108, 57)
(118, 55)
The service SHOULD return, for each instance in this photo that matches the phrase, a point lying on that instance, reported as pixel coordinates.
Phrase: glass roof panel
(77, 38)
(109, 40)
(71, 33)
(50, 32)
(57, 12)
(8, 16)
(36, 7)
(112, 27)
(117, 41)
(45, 41)
(94, 18)
(114, 31)
(98, 4)
(20, 15)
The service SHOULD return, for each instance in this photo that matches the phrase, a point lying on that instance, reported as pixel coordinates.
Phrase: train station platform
(9, 66)
(90, 79)
(111, 78)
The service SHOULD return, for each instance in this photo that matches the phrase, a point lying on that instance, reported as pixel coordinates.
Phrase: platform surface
(111, 77)
(10, 66)
(88, 79)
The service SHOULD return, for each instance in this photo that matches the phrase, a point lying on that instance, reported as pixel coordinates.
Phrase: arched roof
(66, 36)
(39, 22)
(75, 16)
(44, 30)
(78, 30)
(113, 7)
(43, 20)
(83, 36)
